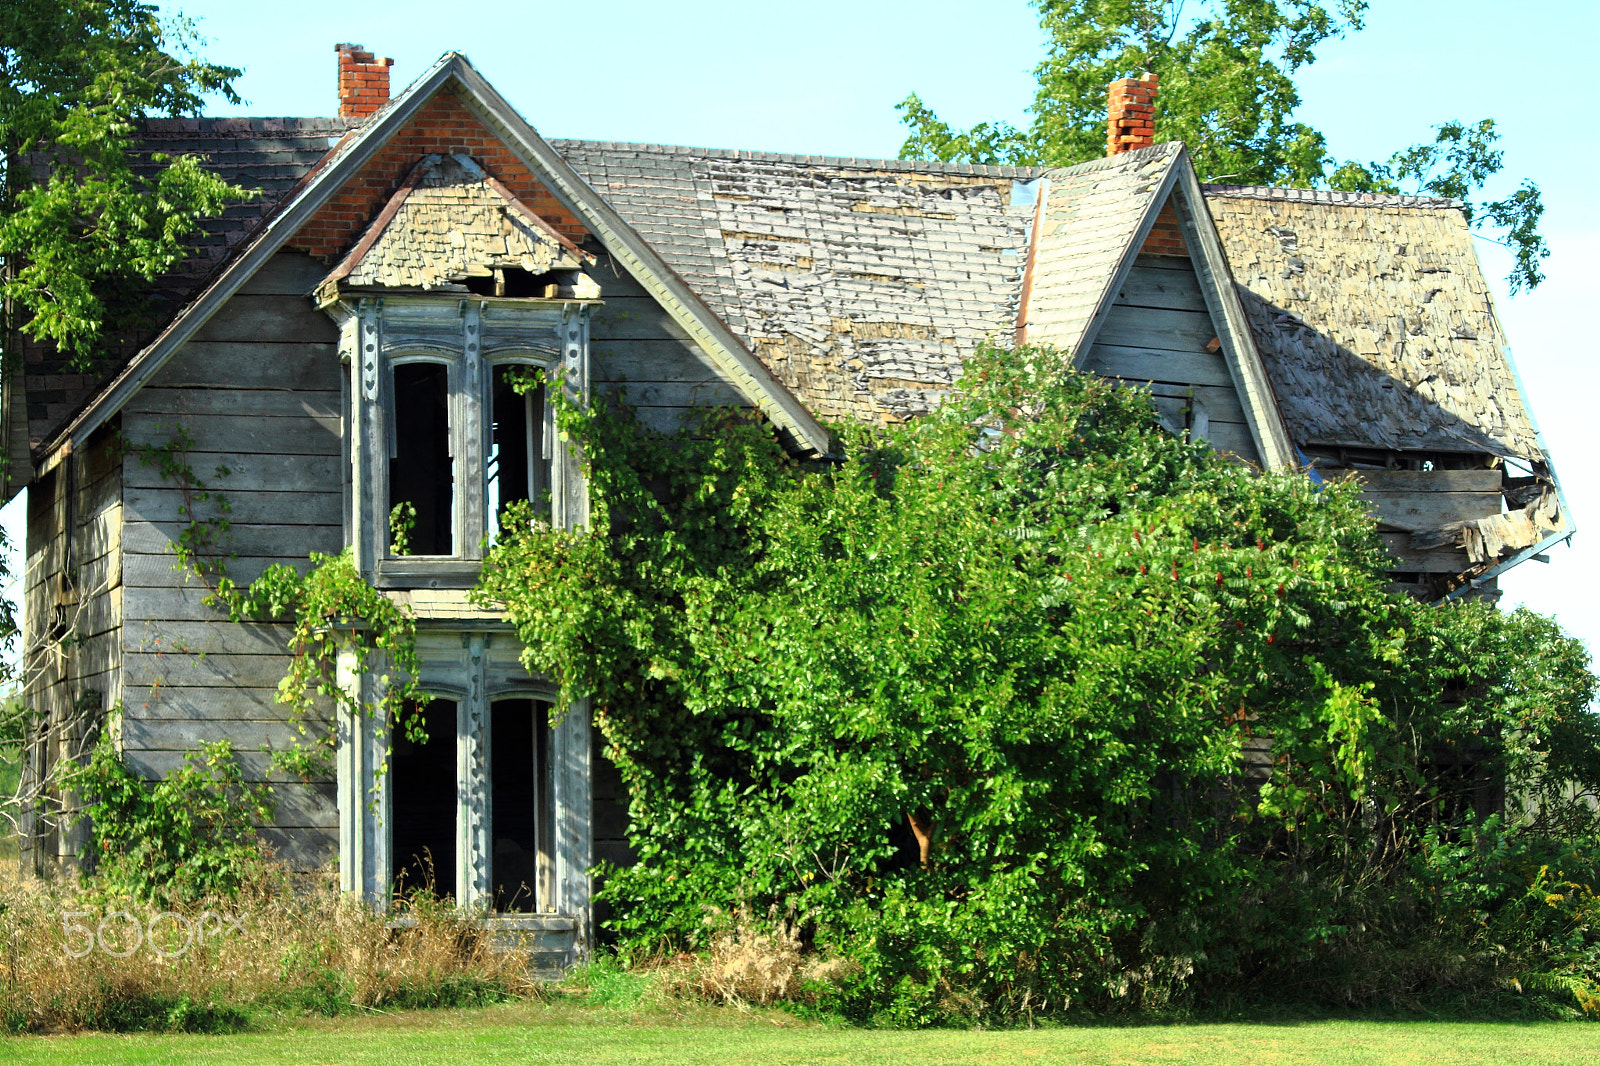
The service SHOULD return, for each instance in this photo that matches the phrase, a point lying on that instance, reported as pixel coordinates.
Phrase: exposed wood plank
(228, 433)
(286, 274)
(254, 364)
(246, 638)
(680, 394)
(1185, 331)
(306, 508)
(1430, 510)
(1431, 480)
(158, 571)
(633, 318)
(152, 702)
(253, 765)
(250, 317)
(1219, 403)
(302, 849)
(261, 539)
(177, 734)
(221, 669)
(1233, 438)
(1150, 364)
(1172, 289)
(1437, 561)
(272, 473)
(648, 360)
(256, 403)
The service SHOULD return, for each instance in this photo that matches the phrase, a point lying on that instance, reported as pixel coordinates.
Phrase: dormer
(460, 310)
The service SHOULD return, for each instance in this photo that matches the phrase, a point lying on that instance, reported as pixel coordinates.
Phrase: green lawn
(570, 1033)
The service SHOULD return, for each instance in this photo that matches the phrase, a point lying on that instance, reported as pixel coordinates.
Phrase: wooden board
(254, 403)
(1436, 561)
(260, 539)
(1150, 364)
(158, 571)
(253, 765)
(271, 473)
(1430, 510)
(222, 669)
(251, 317)
(1431, 480)
(286, 274)
(1177, 290)
(153, 702)
(1233, 438)
(680, 394)
(1140, 327)
(642, 360)
(254, 364)
(633, 318)
(304, 508)
(245, 638)
(302, 849)
(174, 734)
(227, 433)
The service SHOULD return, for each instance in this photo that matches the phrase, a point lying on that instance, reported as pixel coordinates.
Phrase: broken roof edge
(354, 150)
(910, 166)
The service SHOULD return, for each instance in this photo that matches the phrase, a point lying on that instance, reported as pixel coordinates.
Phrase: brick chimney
(1131, 114)
(363, 81)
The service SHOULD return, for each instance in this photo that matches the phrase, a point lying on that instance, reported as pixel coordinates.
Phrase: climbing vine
(202, 545)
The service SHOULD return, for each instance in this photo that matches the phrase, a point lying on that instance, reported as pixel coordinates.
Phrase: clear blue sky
(823, 77)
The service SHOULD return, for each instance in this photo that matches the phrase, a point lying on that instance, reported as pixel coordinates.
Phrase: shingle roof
(1374, 319)
(863, 284)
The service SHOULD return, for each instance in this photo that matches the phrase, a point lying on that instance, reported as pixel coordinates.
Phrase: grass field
(573, 1033)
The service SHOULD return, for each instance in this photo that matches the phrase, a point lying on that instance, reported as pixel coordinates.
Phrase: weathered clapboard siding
(635, 345)
(1158, 330)
(72, 592)
(1408, 501)
(259, 393)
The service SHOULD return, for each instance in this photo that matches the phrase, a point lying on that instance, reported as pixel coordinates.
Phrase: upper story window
(461, 313)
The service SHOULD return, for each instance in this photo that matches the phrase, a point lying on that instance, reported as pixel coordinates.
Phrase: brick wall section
(1166, 238)
(443, 124)
(1131, 114)
(363, 81)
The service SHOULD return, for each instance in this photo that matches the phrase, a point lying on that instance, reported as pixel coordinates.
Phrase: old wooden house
(346, 343)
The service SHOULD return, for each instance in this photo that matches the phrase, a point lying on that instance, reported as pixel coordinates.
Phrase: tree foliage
(85, 217)
(975, 707)
(1228, 91)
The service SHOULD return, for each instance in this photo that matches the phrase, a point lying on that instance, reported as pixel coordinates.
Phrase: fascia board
(703, 326)
(283, 225)
(1222, 299)
(1130, 253)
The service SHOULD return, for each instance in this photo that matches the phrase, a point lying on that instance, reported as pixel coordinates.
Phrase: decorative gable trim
(345, 160)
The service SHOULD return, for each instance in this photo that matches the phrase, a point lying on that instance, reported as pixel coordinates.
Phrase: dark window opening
(520, 804)
(517, 467)
(519, 283)
(421, 474)
(422, 810)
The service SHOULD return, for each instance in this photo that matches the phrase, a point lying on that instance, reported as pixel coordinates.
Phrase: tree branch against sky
(80, 218)
(1228, 91)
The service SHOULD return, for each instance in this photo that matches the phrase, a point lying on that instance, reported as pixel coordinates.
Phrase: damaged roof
(1374, 319)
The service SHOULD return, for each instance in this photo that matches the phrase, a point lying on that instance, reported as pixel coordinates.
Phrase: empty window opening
(520, 805)
(422, 786)
(421, 476)
(518, 283)
(518, 464)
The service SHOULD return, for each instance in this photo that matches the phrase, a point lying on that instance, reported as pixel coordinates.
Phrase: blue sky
(823, 77)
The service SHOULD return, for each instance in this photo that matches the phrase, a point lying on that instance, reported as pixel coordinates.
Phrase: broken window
(422, 833)
(518, 464)
(421, 472)
(521, 804)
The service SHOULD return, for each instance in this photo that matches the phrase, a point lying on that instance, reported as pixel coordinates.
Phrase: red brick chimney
(363, 81)
(1131, 114)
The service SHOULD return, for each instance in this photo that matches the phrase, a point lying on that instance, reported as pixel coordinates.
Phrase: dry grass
(754, 963)
(287, 943)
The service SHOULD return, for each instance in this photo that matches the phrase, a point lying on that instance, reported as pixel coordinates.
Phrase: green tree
(1228, 91)
(86, 217)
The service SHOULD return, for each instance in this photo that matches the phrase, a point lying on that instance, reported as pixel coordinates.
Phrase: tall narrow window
(422, 827)
(421, 478)
(517, 466)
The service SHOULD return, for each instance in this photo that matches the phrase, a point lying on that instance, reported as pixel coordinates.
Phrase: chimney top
(1131, 114)
(363, 81)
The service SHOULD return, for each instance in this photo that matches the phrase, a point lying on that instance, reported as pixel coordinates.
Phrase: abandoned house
(347, 343)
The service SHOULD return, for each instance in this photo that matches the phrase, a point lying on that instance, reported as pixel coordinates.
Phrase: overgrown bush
(973, 706)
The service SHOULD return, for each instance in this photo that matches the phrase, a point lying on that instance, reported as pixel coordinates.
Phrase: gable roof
(1374, 319)
(1092, 222)
(453, 71)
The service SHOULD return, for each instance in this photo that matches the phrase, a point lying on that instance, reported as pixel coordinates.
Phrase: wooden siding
(1157, 333)
(635, 346)
(72, 592)
(259, 392)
